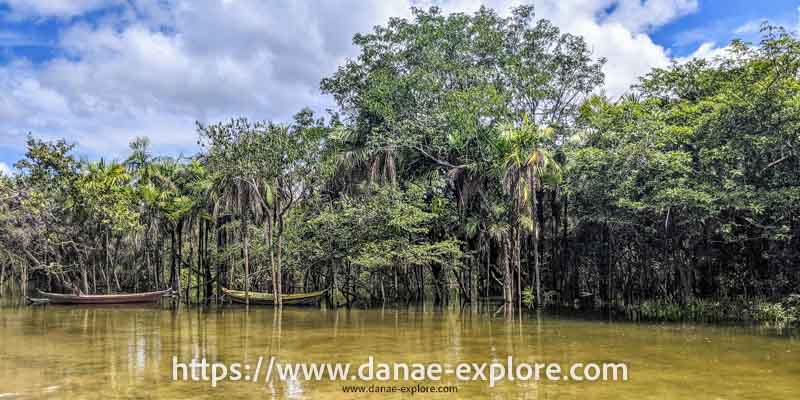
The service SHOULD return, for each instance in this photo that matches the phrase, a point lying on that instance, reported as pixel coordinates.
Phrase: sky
(102, 72)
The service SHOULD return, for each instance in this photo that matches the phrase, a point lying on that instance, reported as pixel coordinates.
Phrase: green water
(110, 352)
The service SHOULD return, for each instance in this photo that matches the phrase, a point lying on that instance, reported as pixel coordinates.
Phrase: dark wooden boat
(258, 298)
(147, 297)
(37, 301)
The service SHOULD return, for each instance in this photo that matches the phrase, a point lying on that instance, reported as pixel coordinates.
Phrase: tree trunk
(222, 242)
(179, 257)
(192, 270)
(569, 278)
(245, 241)
(158, 261)
(206, 263)
(277, 275)
(488, 281)
(279, 263)
(420, 280)
(518, 264)
(508, 295)
(556, 265)
(173, 259)
(85, 278)
(268, 239)
(535, 238)
(24, 280)
(106, 262)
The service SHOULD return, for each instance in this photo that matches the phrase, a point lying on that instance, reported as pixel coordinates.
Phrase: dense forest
(470, 157)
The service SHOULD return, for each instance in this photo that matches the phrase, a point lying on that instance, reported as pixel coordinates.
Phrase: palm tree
(223, 203)
(527, 164)
(353, 156)
(106, 192)
(144, 172)
(140, 160)
(498, 229)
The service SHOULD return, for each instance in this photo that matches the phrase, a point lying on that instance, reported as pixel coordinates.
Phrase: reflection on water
(126, 352)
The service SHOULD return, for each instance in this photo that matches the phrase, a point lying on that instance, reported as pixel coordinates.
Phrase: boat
(37, 301)
(259, 298)
(146, 297)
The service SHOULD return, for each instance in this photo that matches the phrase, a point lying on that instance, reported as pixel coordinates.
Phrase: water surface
(126, 352)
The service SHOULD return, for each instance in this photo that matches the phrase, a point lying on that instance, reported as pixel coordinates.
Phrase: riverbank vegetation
(469, 157)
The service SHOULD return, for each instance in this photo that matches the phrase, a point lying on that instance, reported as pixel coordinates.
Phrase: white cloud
(5, 169)
(126, 75)
(707, 50)
(639, 16)
(748, 27)
(617, 30)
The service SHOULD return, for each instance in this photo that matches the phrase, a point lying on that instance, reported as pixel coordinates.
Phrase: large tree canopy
(439, 86)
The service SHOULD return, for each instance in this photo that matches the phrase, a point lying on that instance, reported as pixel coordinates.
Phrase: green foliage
(387, 229)
(780, 314)
(469, 152)
(105, 192)
(528, 297)
(698, 171)
(438, 87)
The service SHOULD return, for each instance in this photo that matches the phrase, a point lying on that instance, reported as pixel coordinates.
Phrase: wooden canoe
(258, 298)
(147, 297)
(37, 301)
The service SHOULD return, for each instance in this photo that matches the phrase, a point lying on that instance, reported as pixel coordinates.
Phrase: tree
(527, 163)
(267, 164)
(433, 92)
(708, 151)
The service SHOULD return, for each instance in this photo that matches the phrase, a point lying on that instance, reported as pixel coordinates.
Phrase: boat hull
(257, 298)
(148, 297)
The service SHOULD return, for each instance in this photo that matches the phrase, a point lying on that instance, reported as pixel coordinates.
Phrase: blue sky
(720, 21)
(101, 72)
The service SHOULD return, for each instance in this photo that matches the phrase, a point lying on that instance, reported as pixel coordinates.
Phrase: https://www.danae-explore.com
(265, 369)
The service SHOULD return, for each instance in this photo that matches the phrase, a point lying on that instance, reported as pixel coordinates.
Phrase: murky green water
(101, 352)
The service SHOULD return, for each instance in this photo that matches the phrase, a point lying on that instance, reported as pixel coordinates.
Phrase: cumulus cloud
(619, 34)
(638, 16)
(5, 169)
(153, 67)
(707, 50)
(749, 27)
(616, 30)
